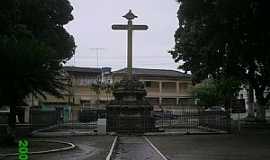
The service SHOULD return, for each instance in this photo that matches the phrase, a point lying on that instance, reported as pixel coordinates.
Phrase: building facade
(81, 93)
(166, 89)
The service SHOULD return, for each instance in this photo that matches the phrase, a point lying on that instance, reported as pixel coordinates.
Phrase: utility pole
(98, 51)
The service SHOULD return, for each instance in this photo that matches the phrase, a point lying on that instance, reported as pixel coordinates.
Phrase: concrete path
(135, 148)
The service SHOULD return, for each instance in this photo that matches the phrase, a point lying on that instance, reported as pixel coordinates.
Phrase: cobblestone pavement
(134, 148)
(88, 148)
(214, 147)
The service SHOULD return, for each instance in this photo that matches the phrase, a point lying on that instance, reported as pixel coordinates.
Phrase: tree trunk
(11, 126)
(261, 102)
(261, 112)
(250, 104)
(228, 100)
(228, 103)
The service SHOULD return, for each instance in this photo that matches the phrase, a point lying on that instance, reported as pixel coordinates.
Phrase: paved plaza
(214, 147)
(88, 148)
(245, 146)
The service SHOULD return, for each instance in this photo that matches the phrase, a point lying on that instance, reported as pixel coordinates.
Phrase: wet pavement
(134, 148)
(87, 148)
(214, 147)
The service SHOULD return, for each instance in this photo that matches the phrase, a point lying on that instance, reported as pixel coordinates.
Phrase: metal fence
(55, 119)
(192, 117)
(83, 119)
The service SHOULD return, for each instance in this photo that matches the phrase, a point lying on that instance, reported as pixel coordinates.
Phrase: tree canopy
(225, 39)
(207, 94)
(33, 47)
(212, 92)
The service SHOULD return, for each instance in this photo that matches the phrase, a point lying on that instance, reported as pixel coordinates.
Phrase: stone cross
(129, 27)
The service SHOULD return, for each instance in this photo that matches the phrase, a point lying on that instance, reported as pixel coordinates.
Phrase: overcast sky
(91, 29)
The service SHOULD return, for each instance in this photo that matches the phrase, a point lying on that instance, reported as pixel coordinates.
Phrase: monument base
(130, 112)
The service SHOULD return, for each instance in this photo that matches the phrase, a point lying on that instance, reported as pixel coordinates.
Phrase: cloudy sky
(99, 45)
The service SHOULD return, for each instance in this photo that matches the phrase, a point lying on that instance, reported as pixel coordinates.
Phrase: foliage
(207, 94)
(28, 70)
(108, 90)
(99, 87)
(33, 46)
(214, 92)
(225, 39)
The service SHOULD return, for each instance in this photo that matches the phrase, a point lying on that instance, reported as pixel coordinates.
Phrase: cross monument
(129, 27)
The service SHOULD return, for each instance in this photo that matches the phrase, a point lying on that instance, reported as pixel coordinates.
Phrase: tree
(207, 94)
(97, 88)
(226, 39)
(212, 92)
(108, 90)
(100, 87)
(33, 45)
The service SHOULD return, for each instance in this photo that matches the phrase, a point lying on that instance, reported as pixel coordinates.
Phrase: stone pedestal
(130, 112)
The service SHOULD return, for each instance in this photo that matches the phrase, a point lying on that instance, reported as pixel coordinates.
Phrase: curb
(183, 133)
(71, 146)
(71, 134)
(44, 129)
(65, 134)
(109, 156)
(212, 129)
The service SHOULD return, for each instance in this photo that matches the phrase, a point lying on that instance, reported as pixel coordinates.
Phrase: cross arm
(126, 27)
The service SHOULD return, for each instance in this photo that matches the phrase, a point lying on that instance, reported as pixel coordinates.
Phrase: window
(85, 81)
(184, 87)
(185, 101)
(169, 101)
(153, 100)
(169, 87)
(148, 84)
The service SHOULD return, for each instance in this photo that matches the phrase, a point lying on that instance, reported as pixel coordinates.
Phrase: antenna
(98, 51)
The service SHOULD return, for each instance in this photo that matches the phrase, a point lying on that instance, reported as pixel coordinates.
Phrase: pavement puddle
(134, 148)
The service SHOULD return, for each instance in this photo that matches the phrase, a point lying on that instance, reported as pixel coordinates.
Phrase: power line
(116, 57)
